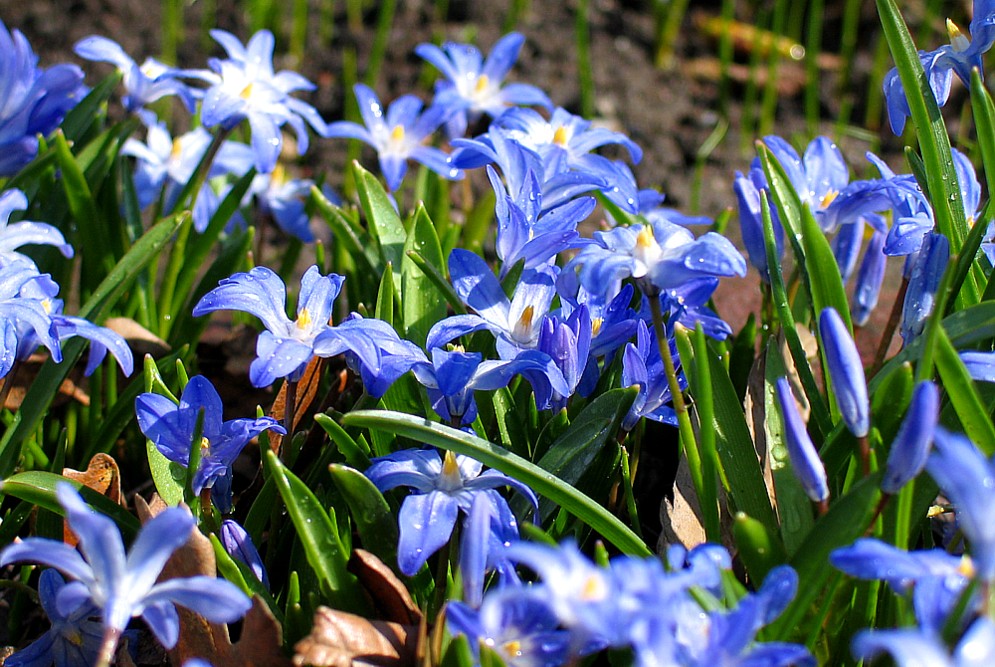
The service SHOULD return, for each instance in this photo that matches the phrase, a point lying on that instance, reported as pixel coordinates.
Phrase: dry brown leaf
(306, 390)
(103, 476)
(262, 637)
(387, 592)
(24, 374)
(339, 639)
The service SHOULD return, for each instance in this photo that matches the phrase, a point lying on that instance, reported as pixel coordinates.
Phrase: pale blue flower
(122, 585)
(805, 461)
(17, 234)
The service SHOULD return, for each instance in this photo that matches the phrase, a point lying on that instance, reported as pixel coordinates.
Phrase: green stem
(680, 407)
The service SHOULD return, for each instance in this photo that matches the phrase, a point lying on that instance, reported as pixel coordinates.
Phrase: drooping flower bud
(846, 373)
(911, 447)
(804, 458)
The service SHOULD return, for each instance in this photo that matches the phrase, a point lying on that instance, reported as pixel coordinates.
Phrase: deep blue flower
(846, 372)
(245, 87)
(445, 487)
(642, 367)
(171, 429)
(517, 624)
(145, 83)
(528, 234)
(910, 449)
(34, 100)
(123, 585)
(968, 479)
(73, 640)
(938, 77)
(239, 546)
(749, 190)
(473, 85)
(398, 135)
(870, 277)
(805, 461)
(17, 234)
(927, 270)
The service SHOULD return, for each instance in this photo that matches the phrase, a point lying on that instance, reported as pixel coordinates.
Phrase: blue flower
(166, 164)
(473, 85)
(246, 88)
(911, 647)
(445, 487)
(910, 449)
(870, 277)
(171, 428)
(748, 191)
(43, 290)
(805, 461)
(846, 372)
(927, 270)
(73, 640)
(642, 367)
(661, 255)
(528, 234)
(145, 83)
(123, 585)
(239, 546)
(15, 235)
(286, 346)
(517, 624)
(968, 479)
(34, 100)
(24, 320)
(397, 136)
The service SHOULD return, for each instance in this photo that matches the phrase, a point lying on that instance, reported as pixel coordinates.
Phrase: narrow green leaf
(354, 454)
(38, 488)
(423, 304)
(541, 481)
(46, 384)
(82, 116)
(957, 382)
(318, 535)
(385, 296)
(92, 229)
(758, 548)
(356, 240)
(439, 281)
(574, 452)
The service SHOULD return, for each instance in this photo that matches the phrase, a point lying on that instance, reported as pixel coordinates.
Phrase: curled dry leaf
(140, 340)
(339, 639)
(262, 637)
(388, 594)
(103, 476)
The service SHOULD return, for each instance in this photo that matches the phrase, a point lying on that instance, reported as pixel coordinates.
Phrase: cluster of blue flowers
(560, 312)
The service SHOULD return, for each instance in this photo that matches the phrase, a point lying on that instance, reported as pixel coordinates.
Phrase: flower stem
(108, 647)
(889, 329)
(680, 407)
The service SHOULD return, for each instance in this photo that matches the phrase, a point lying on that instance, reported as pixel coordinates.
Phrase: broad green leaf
(356, 240)
(372, 516)
(846, 520)
(318, 535)
(423, 304)
(541, 481)
(385, 223)
(38, 488)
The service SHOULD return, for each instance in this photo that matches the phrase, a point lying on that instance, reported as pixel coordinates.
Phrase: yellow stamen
(525, 321)
(279, 175)
(303, 319)
(397, 133)
(482, 83)
(205, 447)
(645, 238)
(450, 468)
(596, 325)
(561, 136)
(176, 151)
(246, 92)
(828, 198)
(958, 39)
(512, 649)
(46, 304)
(966, 567)
(593, 589)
